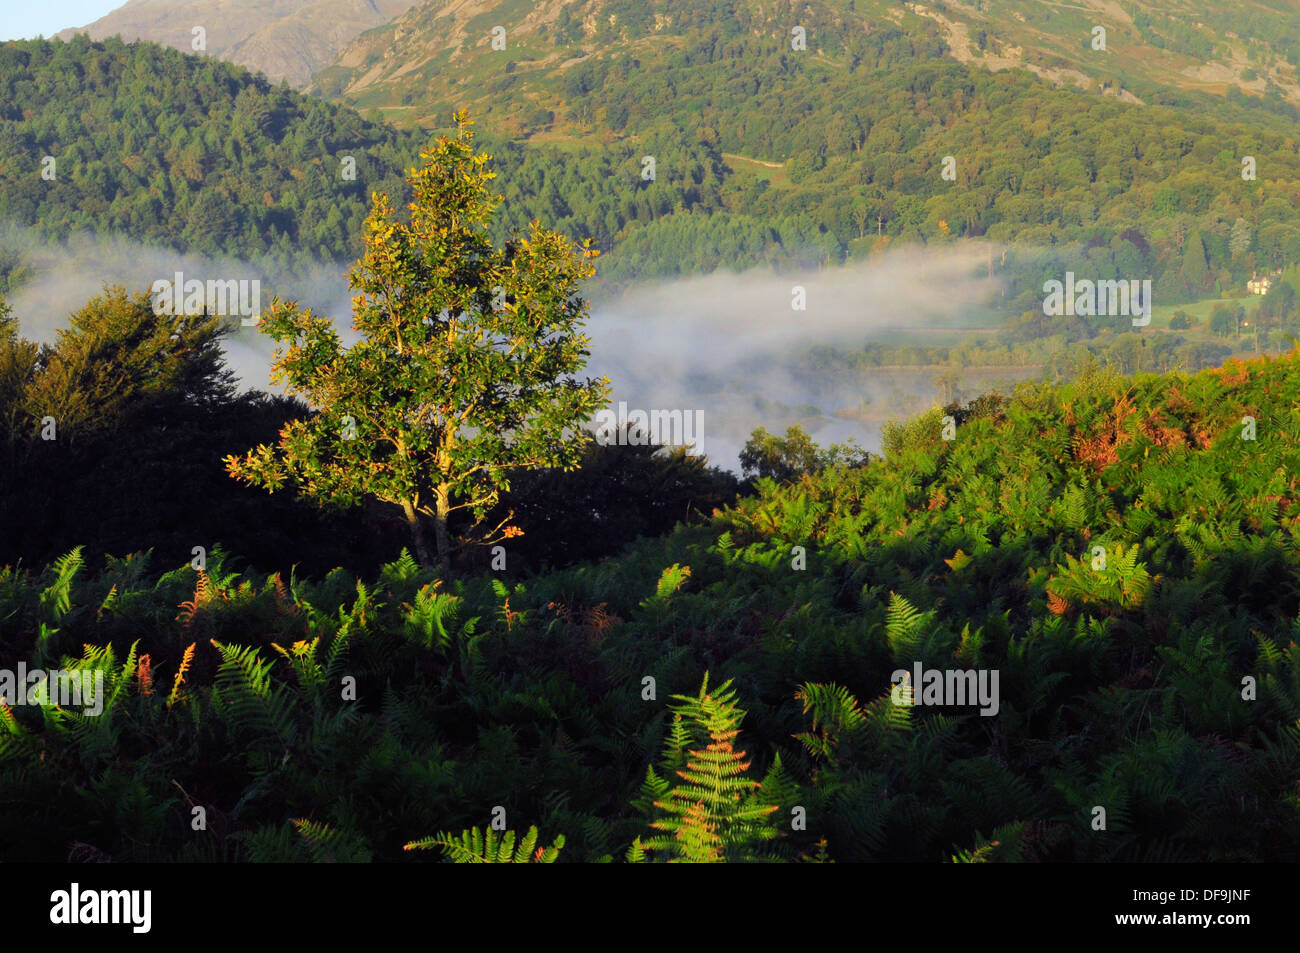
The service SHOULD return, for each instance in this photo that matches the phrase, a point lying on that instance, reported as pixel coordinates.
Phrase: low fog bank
(732, 345)
(66, 275)
(736, 347)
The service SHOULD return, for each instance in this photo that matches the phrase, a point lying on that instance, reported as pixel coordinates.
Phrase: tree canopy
(465, 367)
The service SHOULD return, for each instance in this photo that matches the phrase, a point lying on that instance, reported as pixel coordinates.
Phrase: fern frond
(56, 599)
(475, 846)
(327, 845)
(179, 680)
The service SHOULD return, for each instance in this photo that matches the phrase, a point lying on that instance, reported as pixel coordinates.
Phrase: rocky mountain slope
(285, 39)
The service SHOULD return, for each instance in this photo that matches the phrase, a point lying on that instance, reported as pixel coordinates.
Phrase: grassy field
(1200, 311)
(773, 172)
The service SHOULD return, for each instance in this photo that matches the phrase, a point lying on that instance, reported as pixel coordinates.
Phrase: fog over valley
(732, 345)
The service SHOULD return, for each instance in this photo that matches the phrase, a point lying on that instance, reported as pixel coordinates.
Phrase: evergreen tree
(1239, 239)
(1194, 272)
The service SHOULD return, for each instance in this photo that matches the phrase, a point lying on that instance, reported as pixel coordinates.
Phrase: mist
(67, 274)
(732, 345)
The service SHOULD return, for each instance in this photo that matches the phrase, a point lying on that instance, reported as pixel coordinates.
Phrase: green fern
(636, 853)
(426, 620)
(835, 714)
(56, 599)
(475, 846)
(672, 579)
(245, 694)
(401, 570)
(905, 629)
(716, 814)
(328, 845)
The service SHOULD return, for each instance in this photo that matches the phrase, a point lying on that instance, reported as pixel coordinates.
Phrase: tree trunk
(441, 508)
(418, 539)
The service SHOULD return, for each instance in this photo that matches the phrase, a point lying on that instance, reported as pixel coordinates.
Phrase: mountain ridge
(285, 39)
(1145, 56)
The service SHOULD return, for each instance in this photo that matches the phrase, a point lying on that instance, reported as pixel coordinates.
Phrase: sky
(23, 20)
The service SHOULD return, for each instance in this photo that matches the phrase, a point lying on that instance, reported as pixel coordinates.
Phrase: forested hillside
(194, 154)
(1195, 53)
(1123, 551)
(183, 152)
(824, 154)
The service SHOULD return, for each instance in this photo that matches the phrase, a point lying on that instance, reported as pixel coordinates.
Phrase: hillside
(1195, 52)
(190, 153)
(183, 152)
(1075, 181)
(827, 154)
(285, 39)
(1122, 552)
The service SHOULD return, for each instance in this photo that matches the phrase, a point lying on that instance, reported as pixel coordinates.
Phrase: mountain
(827, 154)
(285, 39)
(765, 158)
(823, 146)
(442, 50)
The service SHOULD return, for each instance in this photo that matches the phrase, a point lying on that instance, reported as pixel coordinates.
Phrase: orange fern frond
(202, 596)
(186, 659)
(108, 602)
(144, 675)
(284, 602)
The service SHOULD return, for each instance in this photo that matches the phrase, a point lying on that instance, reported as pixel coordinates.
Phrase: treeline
(112, 438)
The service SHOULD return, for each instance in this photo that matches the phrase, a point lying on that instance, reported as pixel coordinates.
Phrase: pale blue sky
(24, 19)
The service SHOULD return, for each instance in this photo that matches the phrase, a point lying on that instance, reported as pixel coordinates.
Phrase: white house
(1259, 284)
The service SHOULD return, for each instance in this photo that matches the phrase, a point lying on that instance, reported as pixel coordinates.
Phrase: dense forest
(1076, 182)
(183, 152)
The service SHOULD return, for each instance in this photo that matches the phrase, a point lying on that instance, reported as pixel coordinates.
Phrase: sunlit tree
(465, 370)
